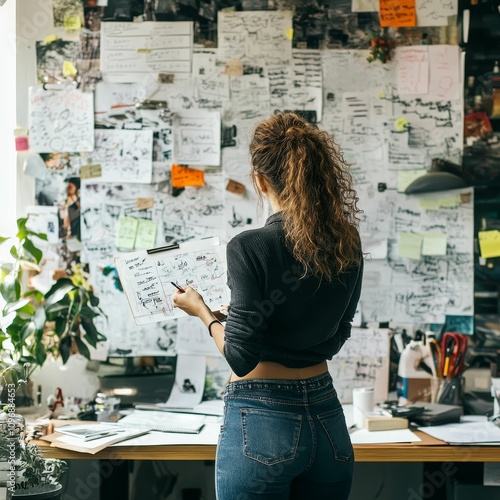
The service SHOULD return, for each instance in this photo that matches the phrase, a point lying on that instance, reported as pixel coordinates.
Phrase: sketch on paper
(189, 382)
(131, 50)
(196, 138)
(61, 121)
(256, 36)
(363, 361)
(147, 279)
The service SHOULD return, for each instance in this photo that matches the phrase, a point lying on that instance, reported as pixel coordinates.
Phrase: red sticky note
(22, 144)
(397, 13)
(185, 176)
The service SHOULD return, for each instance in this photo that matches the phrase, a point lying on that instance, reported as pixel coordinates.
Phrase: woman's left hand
(190, 301)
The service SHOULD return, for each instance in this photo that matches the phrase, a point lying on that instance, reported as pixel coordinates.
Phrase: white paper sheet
(129, 51)
(147, 278)
(192, 338)
(124, 155)
(432, 13)
(413, 69)
(197, 138)
(258, 36)
(61, 120)
(444, 72)
(365, 5)
(363, 436)
(189, 384)
(471, 430)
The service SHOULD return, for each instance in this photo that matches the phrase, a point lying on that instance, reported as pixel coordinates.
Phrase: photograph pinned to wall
(216, 378)
(189, 383)
(56, 60)
(88, 62)
(68, 14)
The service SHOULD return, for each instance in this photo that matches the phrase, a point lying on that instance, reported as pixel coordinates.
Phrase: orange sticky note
(185, 176)
(397, 13)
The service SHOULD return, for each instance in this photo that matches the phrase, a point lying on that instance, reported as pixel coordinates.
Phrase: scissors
(453, 349)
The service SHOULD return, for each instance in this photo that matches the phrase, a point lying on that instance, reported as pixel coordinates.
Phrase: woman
(295, 284)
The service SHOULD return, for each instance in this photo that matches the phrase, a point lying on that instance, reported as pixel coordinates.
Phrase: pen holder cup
(451, 391)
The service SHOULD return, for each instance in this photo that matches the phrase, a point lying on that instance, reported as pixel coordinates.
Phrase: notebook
(185, 423)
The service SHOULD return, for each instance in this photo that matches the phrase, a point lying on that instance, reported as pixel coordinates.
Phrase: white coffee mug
(363, 401)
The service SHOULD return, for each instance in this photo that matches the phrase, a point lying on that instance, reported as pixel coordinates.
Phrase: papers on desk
(472, 430)
(87, 440)
(183, 423)
(362, 436)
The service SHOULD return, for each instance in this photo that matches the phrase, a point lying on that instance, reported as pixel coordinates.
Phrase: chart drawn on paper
(147, 278)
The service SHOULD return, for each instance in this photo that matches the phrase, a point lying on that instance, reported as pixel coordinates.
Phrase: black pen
(178, 287)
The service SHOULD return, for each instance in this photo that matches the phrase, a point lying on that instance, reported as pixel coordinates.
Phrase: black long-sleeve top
(275, 315)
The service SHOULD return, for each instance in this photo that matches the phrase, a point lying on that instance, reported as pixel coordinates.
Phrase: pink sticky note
(22, 144)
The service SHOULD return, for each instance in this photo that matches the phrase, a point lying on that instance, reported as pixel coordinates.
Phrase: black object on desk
(437, 414)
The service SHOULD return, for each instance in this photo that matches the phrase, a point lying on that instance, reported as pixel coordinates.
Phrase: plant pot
(47, 492)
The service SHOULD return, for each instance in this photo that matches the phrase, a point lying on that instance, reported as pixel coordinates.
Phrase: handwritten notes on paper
(197, 137)
(146, 278)
(489, 243)
(397, 13)
(256, 36)
(413, 70)
(131, 50)
(444, 78)
(185, 176)
(61, 120)
(363, 361)
(124, 155)
(432, 13)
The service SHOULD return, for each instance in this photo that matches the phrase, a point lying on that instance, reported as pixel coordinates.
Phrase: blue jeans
(283, 439)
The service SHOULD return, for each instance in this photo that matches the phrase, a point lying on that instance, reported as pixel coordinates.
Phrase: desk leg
(115, 479)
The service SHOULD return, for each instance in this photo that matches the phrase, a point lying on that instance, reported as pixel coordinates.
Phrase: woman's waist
(277, 371)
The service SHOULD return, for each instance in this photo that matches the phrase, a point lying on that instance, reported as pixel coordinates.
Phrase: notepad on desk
(163, 421)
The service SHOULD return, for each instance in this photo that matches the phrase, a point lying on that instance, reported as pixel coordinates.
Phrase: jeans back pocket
(333, 422)
(270, 436)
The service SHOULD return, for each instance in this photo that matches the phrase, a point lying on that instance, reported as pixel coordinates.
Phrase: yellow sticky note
(69, 69)
(429, 203)
(49, 39)
(434, 244)
(400, 124)
(289, 33)
(410, 245)
(144, 203)
(406, 177)
(489, 243)
(449, 202)
(146, 234)
(126, 232)
(72, 23)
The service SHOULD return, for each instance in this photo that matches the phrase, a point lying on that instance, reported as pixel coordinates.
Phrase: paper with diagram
(147, 278)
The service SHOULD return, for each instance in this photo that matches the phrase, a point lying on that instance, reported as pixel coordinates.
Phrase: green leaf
(36, 294)
(93, 299)
(18, 305)
(13, 252)
(87, 312)
(10, 289)
(3, 239)
(40, 354)
(29, 246)
(28, 331)
(39, 318)
(82, 347)
(90, 340)
(65, 348)
(60, 326)
(58, 291)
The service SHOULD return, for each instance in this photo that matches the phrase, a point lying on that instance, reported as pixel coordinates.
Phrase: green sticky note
(434, 244)
(146, 234)
(489, 243)
(406, 177)
(449, 202)
(410, 245)
(126, 232)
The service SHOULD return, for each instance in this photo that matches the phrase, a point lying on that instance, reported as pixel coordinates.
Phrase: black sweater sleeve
(244, 325)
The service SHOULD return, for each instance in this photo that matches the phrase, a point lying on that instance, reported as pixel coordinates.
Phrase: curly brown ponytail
(307, 171)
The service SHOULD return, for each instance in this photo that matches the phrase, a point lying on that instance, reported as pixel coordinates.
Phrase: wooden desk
(428, 450)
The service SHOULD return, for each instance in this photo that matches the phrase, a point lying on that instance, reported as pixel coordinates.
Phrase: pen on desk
(178, 287)
(101, 435)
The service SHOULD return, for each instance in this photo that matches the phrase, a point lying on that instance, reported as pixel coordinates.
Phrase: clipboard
(146, 277)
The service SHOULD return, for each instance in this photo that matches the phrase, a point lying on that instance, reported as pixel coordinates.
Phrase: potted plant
(24, 472)
(34, 324)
